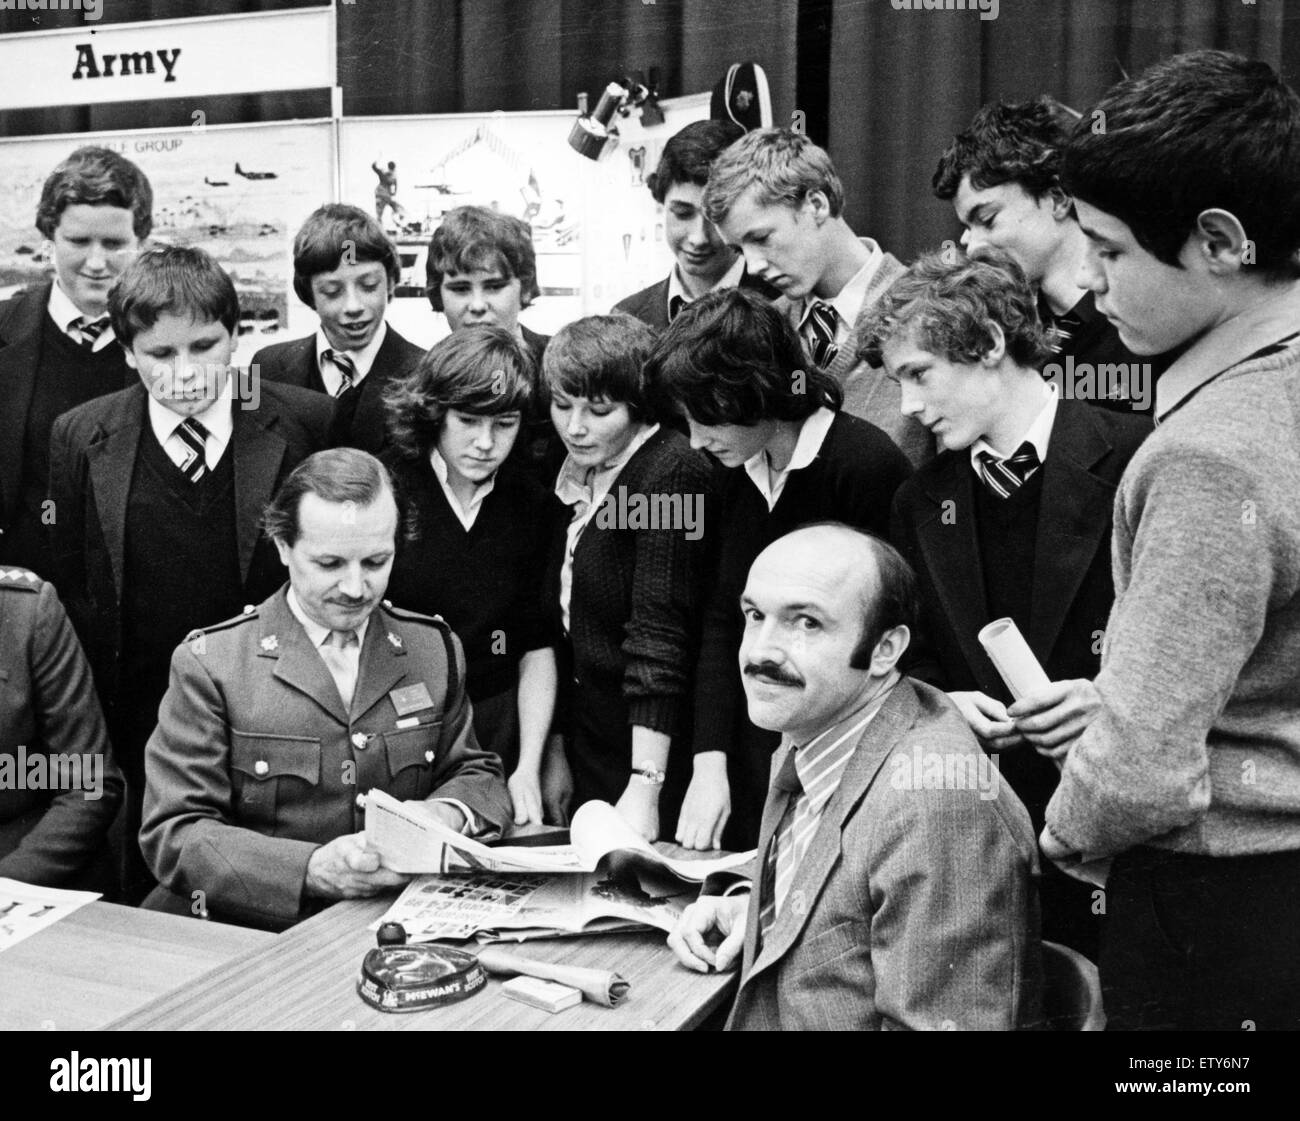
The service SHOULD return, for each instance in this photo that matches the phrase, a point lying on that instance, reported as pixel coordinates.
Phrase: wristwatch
(648, 773)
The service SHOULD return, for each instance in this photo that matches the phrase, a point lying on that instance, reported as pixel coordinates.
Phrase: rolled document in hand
(1010, 653)
(601, 986)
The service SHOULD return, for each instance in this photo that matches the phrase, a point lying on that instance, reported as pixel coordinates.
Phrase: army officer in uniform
(277, 723)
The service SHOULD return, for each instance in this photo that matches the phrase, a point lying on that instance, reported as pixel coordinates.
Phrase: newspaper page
(485, 903)
(26, 908)
(411, 841)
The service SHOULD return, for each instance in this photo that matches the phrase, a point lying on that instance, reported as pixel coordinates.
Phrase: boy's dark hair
(950, 304)
(485, 371)
(175, 279)
(335, 475)
(730, 357)
(334, 234)
(1199, 131)
(603, 357)
(474, 237)
(96, 177)
(1007, 142)
(690, 153)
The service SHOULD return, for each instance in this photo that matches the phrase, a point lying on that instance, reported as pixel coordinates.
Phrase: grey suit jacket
(868, 393)
(915, 905)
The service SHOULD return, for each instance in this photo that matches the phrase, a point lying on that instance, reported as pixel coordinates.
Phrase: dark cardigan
(637, 593)
(485, 581)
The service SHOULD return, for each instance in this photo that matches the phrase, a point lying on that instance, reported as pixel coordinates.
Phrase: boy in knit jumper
(1189, 773)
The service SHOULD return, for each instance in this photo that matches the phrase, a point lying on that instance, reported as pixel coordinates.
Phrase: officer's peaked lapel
(383, 664)
(297, 663)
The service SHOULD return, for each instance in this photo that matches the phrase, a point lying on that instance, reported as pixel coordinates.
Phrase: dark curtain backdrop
(883, 89)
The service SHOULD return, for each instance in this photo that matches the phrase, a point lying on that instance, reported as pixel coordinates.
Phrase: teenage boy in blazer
(345, 269)
(56, 345)
(830, 278)
(1012, 518)
(703, 262)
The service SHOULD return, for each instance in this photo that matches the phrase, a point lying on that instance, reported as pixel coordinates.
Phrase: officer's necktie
(87, 331)
(819, 333)
(347, 370)
(193, 436)
(1005, 476)
(342, 655)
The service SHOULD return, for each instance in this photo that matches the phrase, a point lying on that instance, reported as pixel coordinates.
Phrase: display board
(597, 232)
(238, 191)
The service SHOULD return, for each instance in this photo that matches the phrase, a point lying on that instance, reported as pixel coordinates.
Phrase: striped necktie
(347, 370)
(819, 333)
(193, 436)
(811, 774)
(1005, 476)
(87, 331)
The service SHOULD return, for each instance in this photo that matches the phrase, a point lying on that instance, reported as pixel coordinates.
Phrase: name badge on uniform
(412, 698)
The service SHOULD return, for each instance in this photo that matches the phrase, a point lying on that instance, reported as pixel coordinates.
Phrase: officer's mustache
(770, 671)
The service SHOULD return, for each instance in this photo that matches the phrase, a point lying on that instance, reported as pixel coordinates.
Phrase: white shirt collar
(571, 487)
(468, 516)
(730, 279)
(315, 632)
(848, 303)
(64, 313)
(363, 359)
(218, 418)
(812, 434)
(1039, 434)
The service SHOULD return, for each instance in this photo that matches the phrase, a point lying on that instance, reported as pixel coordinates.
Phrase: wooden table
(306, 978)
(104, 961)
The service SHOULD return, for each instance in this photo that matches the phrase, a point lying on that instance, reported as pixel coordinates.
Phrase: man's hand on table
(711, 915)
(345, 869)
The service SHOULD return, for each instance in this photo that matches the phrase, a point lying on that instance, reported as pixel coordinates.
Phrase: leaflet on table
(26, 908)
(461, 906)
(411, 841)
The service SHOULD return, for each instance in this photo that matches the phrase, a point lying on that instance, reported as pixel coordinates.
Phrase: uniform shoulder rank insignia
(395, 640)
(19, 578)
(413, 616)
(269, 643)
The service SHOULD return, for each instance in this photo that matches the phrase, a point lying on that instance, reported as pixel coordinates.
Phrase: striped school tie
(347, 370)
(1005, 476)
(819, 333)
(87, 331)
(193, 436)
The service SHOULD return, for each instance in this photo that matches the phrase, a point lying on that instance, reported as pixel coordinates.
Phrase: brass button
(428, 756)
(360, 740)
(261, 767)
(361, 801)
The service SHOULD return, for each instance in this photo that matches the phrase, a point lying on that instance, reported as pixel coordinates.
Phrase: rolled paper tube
(1010, 653)
(598, 985)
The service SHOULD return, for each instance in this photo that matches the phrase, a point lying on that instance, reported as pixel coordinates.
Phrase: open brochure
(411, 841)
(511, 907)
